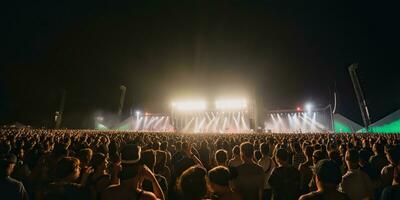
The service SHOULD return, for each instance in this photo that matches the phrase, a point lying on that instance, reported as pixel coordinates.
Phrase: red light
(298, 109)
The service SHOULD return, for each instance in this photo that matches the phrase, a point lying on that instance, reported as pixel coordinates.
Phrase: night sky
(286, 53)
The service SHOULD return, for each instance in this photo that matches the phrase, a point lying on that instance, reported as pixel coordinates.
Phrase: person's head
(185, 146)
(204, 144)
(296, 147)
(7, 164)
(264, 149)
(378, 148)
(393, 154)
(85, 155)
(308, 152)
(335, 156)
(221, 157)
(246, 151)
(164, 146)
(342, 149)
(67, 169)
(257, 154)
(60, 150)
(327, 174)
(318, 155)
(99, 162)
(20, 153)
(352, 159)
(219, 178)
(236, 151)
(363, 156)
(161, 158)
(192, 183)
(178, 146)
(5, 148)
(281, 156)
(149, 158)
(130, 161)
(396, 174)
(156, 146)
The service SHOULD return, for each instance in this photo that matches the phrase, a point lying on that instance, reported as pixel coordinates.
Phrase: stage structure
(308, 120)
(146, 122)
(225, 116)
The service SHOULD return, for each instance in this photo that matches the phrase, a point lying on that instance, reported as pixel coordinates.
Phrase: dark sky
(286, 53)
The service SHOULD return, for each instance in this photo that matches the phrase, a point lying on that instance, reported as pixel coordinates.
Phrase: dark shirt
(323, 196)
(391, 193)
(176, 157)
(285, 183)
(183, 165)
(66, 191)
(12, 189)
(371, 171)
(148, 186)
(204, 154)
(378, 162)
(249, 181)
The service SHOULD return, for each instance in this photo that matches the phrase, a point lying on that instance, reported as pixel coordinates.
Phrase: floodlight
(100, 118)
(189, 105)
(308, 107)
(230, 104)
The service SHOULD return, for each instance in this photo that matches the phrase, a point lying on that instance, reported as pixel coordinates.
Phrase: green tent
(388, 124)
(344, 125)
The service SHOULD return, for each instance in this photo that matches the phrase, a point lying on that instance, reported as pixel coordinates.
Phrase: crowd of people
(107, 165)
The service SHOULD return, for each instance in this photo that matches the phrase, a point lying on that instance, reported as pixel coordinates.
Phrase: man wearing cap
(9, 187)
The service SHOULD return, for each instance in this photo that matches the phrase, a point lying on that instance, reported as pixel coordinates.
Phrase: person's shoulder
(14, 182)
(258, 167)
(240, 167)
(109, 191)
(236, 196)
(309, 196)
(148, 196)
(348, 175)
(278, 169)
(362, 173)
(343, 196)
(112, 188)
(386, 192)
(387, 169)
(160, 178)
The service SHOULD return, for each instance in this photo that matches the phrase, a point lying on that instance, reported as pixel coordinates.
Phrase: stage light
(189, 105)
(137, 113)
(100, 118)
(308, 107)
(231, 104)
(298, 108)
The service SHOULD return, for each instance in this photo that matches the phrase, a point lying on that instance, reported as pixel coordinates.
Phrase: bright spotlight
(100, 118)
(298, 109)
(189, 105)
(137, 113)
(231, 104)
(308, 107)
